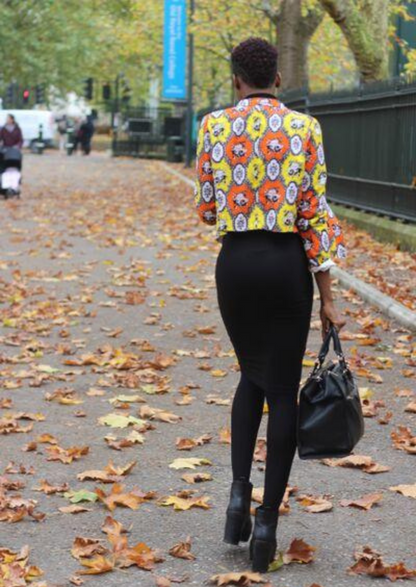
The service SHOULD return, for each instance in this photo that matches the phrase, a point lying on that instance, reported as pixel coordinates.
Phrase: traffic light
(26, 96)
(106, 92)
(40, 94)
(10, 95)
(88, 88)
(125, 92)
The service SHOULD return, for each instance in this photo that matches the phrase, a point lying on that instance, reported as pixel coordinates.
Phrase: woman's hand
(330, 315)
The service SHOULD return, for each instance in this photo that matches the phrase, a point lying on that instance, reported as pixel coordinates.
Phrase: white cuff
(324, 266)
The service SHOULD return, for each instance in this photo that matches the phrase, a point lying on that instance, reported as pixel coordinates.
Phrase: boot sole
(237, 528)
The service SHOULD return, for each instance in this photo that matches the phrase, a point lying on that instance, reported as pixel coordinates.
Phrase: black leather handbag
(330, 419)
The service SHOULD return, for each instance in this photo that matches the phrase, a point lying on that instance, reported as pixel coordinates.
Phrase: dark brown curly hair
(255, 62)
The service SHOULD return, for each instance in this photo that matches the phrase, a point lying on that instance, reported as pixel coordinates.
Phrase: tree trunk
(365, 30)
(294, 32)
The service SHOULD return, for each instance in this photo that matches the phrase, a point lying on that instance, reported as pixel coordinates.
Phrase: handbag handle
(332, 333)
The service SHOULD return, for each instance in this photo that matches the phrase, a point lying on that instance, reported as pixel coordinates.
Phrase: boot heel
(237, 528)
(262, 553)
(246, 531)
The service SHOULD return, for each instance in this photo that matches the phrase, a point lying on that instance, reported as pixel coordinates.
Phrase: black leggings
(265, 295)
(246, 414)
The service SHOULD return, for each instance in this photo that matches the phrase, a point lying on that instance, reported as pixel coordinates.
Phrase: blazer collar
(260, 95)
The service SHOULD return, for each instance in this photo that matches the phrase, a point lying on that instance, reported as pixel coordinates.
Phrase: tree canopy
(321, 43)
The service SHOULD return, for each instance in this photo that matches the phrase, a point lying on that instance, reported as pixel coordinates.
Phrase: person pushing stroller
(11, 143)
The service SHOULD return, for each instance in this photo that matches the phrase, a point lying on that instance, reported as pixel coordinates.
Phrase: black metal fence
(370, 144)
(148, 132)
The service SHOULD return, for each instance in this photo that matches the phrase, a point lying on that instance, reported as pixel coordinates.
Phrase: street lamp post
(189, 109)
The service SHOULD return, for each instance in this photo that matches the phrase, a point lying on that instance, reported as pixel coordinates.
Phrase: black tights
(246, 414)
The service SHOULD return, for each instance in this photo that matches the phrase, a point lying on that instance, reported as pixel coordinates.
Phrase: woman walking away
(11, 134)
(261, 178)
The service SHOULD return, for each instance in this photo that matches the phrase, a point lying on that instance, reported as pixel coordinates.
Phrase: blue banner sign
(174, 58)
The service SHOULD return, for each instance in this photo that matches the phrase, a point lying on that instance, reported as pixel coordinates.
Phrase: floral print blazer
(261, 165)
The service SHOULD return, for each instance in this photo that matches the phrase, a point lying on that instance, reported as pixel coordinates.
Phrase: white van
(29, 121)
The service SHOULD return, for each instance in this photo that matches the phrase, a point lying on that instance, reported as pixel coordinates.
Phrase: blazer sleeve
(204, 192)
(318, 226)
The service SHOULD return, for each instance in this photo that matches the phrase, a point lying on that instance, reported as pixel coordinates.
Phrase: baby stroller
(10, 172)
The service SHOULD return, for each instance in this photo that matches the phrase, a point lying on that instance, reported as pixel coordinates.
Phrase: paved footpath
(109, 317)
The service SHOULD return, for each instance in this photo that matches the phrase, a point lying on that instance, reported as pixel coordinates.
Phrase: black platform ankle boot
(263, 542)
(238, 522)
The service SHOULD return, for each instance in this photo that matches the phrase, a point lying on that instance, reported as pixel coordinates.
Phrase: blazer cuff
(324, 266)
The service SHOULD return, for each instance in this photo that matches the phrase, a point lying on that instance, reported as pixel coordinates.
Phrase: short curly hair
(255, 61)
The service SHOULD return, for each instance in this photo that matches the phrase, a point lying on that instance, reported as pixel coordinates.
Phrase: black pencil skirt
(265, 295)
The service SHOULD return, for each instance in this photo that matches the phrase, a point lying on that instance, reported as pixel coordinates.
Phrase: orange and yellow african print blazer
(261, 165)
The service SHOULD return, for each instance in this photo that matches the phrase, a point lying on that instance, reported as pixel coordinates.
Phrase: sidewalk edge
(388, 305)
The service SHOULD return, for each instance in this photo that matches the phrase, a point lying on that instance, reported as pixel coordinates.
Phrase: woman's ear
(278, 79)
(236, 82)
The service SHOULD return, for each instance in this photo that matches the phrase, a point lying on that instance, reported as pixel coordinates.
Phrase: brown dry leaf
(134, 298)
(146, 412)
(46, 439)
(362, 462)
(87, 547)
(404, 393)
(225, 435)
(185, 443)
(260, 452)
(206, 329)
(219, 401)
(196, 477)
(369, 562)
(16, 570)
(407, 490)
(66, 455)
(162, 581)
(140, 555)
(51, 489)
(185, 401)
(125, 556)
(97, 566)
(74, 509)
(162, 361)
(182, 550)
(218, 372)
(30, 446)
(112, 527)
(404, 440)
(15, 508)
(116, 497)
(189, 443)
(411, 407)
(110, 474)
(242, 579)
(366, 502)
(93, 392)
(134, 437)
(299, 552)
(313, 504)
(385, 419)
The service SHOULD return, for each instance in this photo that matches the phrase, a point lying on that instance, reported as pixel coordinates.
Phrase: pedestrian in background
(86, 133)
(62, 130)
(11, 134)
(261, 178)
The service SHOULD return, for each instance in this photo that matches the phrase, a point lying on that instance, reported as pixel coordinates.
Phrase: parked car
(30, 121)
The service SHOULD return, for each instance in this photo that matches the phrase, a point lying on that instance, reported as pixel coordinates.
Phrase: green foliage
(59, 43)
(56, 43)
